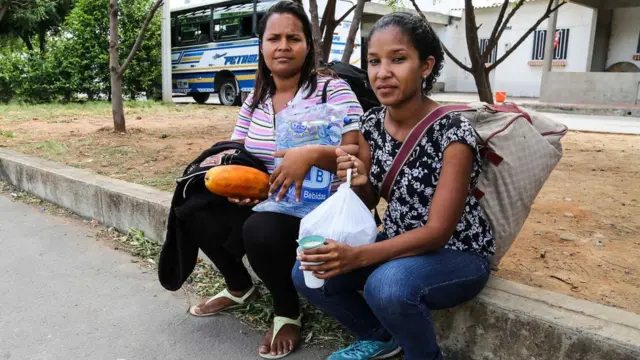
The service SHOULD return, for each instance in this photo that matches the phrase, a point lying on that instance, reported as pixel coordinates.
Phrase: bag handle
(324, 91)
(410, 143)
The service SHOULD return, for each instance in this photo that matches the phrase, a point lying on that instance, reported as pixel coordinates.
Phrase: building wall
(516, 75)
(624, 36)
(592, 88)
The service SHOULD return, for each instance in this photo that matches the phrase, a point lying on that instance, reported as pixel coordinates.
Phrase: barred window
(561, 44)
(484, 43)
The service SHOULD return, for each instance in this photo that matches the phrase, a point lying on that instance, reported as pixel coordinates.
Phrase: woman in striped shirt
(286, 76)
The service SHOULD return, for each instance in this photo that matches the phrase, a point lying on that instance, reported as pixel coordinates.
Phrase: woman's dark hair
(308, 74)
(421, 36)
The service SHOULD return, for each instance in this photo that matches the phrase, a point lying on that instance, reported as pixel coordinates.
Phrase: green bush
(37, 82)
(9, 75)
(77, 59)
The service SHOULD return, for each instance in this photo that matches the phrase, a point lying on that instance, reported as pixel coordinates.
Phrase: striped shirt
(257, 128)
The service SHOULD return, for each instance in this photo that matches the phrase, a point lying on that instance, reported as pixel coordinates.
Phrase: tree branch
(455, 60)
(473, 43)
(547, 13)
(331, 5)
(26, 37)
(494, 32)
(315, 29)
(341, 19)
(143, 30)
(444, 47)
(506, 22)
(114, 60)
(353, 29)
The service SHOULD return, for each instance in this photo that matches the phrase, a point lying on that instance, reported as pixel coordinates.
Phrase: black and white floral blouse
(416, 183)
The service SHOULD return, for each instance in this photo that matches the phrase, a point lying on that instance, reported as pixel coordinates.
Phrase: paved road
(64, 295)
(611, 124)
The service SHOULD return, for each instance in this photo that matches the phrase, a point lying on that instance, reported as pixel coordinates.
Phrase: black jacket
(179, 252)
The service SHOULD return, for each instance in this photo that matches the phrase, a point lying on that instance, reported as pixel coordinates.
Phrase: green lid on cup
(310, 242)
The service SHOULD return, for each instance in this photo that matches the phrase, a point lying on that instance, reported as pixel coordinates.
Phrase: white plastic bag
(343, 218)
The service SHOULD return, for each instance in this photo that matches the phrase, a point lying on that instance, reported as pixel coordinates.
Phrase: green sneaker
(367, 350)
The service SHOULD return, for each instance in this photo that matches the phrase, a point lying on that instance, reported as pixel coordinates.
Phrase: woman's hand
(337, 259)
(296, 163)
(245, 202)
(345, 162)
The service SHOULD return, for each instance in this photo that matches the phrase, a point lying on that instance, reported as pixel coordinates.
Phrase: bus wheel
(228, 93)
(201, 98)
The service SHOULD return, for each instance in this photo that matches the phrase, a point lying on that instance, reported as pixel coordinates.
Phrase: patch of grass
(116, 151)
(52, 148)
(84, 141)
(318, 330)
(114, 156)
(62, 121)
(8, 134)
(59, 113)
(165, 181)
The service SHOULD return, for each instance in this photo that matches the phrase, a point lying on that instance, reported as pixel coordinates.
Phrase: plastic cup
(310, 242)
(310, 280)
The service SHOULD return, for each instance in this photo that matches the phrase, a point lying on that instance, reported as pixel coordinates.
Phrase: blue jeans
(399, 296)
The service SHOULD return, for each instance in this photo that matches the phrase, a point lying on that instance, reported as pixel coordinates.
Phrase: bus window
(192, 27)
(204, 36)
(246, 26)
(233, 22)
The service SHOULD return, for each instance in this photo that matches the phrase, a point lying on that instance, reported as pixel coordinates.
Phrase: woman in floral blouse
(434, 249)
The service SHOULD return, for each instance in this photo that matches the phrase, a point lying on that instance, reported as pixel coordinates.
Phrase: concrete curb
(112, 202)
(507, 321)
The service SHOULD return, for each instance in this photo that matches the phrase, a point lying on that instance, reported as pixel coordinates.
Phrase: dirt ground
(581, 239)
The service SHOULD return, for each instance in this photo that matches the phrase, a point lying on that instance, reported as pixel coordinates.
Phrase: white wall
(449, 74)
(624, 36)
(515, 75)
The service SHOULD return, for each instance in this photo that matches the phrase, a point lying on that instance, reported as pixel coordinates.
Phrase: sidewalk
(54, 277)
(535, 104)
(601, 124)
(66, 296)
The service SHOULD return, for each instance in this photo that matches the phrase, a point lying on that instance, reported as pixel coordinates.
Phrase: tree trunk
(473, 43)
(27, 40)
(481, 76)
(328, 39)
(328, 25)
(3, 10)
(329, 13)
(117, 105)
(353, 31)
(42, 37)
(315, 27)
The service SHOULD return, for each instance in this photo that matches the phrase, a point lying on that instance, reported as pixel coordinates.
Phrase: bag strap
(324, 91)
(410, 143)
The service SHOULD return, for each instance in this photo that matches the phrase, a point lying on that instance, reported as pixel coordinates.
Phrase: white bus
(214, 46)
